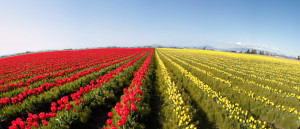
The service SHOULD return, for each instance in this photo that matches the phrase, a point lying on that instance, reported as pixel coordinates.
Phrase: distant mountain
(206, 47)
(244, 49)
(174, 46)
(238, 49)
(156, 46)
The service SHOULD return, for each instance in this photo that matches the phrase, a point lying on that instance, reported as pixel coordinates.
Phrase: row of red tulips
(36, 103)
(46, 62)
(52, 61)
(57, 74)
(131, 97)
(70, 68)
(97, 99)
(60, 82)
(64, 103)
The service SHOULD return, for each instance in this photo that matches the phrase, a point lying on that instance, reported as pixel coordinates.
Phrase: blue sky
(57, 24)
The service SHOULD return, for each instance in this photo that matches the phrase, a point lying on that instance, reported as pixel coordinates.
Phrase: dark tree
(253, 51)
(261, 52)
(248, 51)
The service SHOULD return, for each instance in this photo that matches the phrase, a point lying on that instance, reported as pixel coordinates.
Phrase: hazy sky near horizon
(58, 24)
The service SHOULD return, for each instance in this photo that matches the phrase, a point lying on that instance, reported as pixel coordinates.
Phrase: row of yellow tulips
(261, 98)
(183, 112)
(233, 111)
(258, 67)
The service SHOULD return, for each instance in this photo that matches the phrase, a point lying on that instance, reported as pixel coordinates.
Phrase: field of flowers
(237, 90)
(148, 88)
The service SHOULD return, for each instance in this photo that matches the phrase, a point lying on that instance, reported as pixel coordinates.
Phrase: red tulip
(42, 115)
(53, 104)
(53, 109)
(35, 116)
(113, 127)
(109, 122)
(77, 102)
(45, 122)
(120, 123)
(52, 114)
(134, 108)
(63, 106)
(30, 115)
(110, 114)
(28, 127)
(29, 119)
(13, 127)
(47, 115)
(126, 112)
(68, 108)
(35, 124)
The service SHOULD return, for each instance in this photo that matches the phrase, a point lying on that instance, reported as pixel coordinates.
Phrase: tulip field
(113, 88)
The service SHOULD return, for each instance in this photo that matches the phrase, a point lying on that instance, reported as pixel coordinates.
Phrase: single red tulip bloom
(77, 102)
(45, 122)
(68, 108)
(42, 115)
(113, 127)
(35, 116)
(29, 119)
(36, 124)
(28, 127)
(53, 109)
(120, 123)
(110, 114)
(139, 99)
(109, 122)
